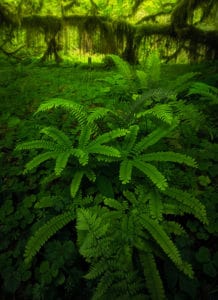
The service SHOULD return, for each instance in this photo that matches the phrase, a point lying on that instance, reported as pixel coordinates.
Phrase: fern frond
(96, 114)
(84, 137)
(194, 206)
(97, 269)
(161, 238)
(130, 138)
(104, 150)
(45, 202)
(131, 197)
(206, 91)
(160, 111)
(90, 174)
(142, 78)
(44, 233)
(153, 66)
(155, 206)
(37, 144)
(174, 227)
(183, 81)
(152, 138)
(170, 156)
(103, 285)
(82, 155)
(57, 135)
(61, 162)
(152, 276)
(109, 136)
(76, 181)
(152, 173)
(75, 109)
(122, 66)
(37, 160)
(125, 173)
(114, 204)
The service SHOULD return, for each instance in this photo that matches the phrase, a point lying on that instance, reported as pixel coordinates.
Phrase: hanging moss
(104, 35)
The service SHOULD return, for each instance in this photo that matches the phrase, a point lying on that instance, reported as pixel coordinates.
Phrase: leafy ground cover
(50, 219)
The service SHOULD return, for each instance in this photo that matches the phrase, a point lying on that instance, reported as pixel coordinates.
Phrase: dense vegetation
(109, 163)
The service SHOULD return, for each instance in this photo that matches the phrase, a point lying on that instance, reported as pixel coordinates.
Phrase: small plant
(121, 235)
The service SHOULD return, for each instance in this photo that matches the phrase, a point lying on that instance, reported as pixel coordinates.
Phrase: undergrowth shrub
(121, 215)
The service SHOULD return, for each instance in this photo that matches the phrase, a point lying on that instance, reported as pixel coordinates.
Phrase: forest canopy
(125, 27)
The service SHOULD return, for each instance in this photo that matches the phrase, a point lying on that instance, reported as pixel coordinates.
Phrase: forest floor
(23, 87)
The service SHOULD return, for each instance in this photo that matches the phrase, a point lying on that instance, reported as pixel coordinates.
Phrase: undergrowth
(109, 183)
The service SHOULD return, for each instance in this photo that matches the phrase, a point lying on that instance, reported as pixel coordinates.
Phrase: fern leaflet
(45, 232)
(152, 173)
(170, 156)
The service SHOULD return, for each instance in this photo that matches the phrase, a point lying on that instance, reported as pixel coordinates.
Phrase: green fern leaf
(194, 206)
(84, 136)
(122, 66)
(96, 114)
(59, 136)
(206, 91)
(160, 111)
(114, 204)
(104, 150)
(109, 136)
(37, 160)
(152, 173)
(142, 78)
(161, 238)
(125, 173)
(82, 155)
(76, 182)
(45, 232)
(75, 109)
(152, 138)
(61, 162)
(155, 206)
(97, 269)
(37, 144)
(152, 276)
(170, 156)
(174, 227)
(90, 175)
(130, 138)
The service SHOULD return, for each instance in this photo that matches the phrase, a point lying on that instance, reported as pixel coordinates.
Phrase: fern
(75, 109)
(108, 136)
(61, 162)
(152, 276)
(58, 136)
(194, 206)
(84, 137)
(206, 91)
(174, 227)
(165, 243)
(156, 206)
(130, 138)
(37, 160)
(152, 67)
(45, 232)
(37, 144)
(125, 173)
(96, 114)
(170, 156)
(76, 181)
(152, 138)
(123, 67)
(152, 173)
(160, 111)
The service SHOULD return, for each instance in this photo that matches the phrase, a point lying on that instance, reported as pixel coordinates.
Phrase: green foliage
(124, 174)
(45, 232)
